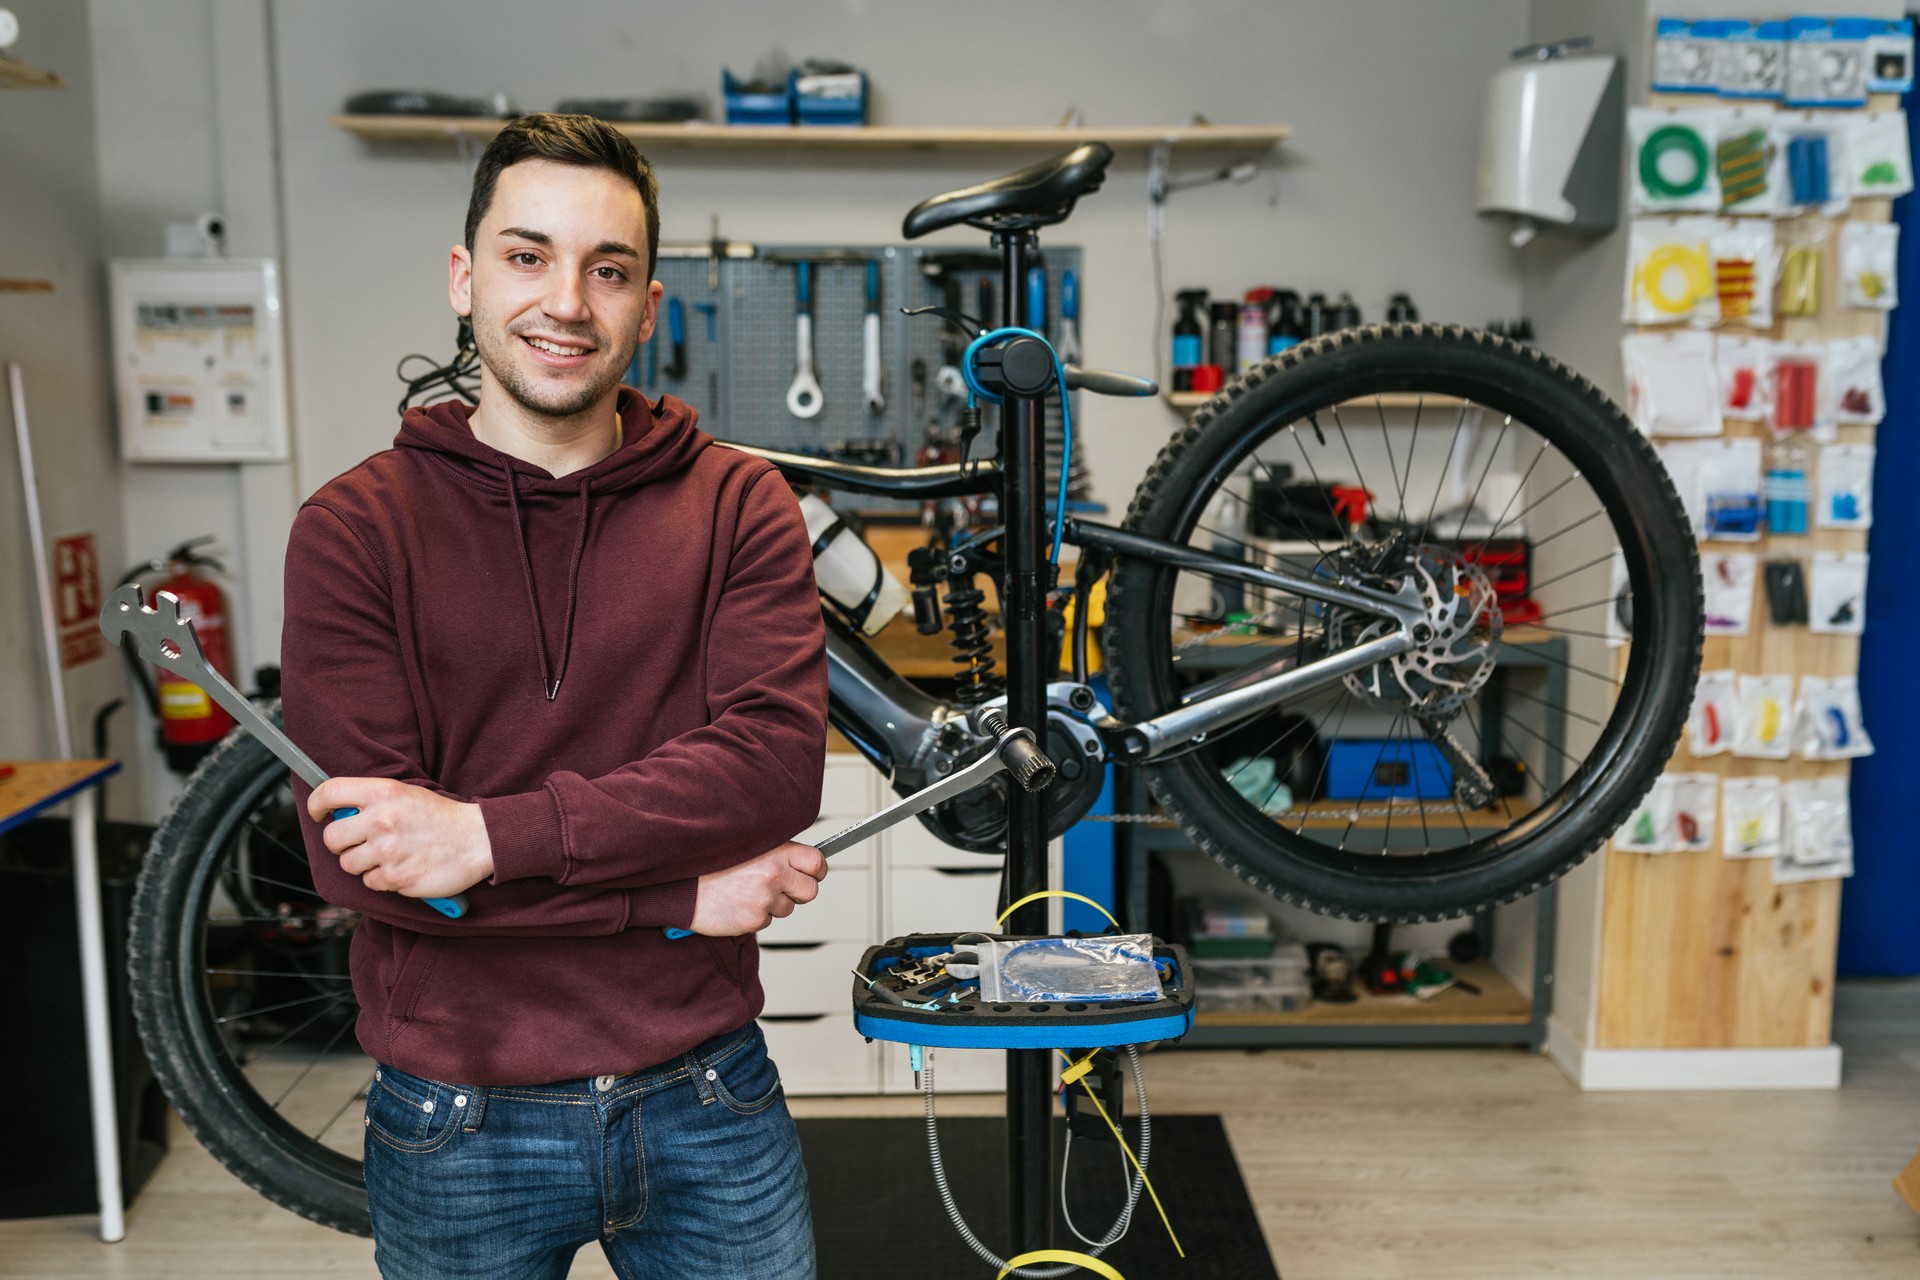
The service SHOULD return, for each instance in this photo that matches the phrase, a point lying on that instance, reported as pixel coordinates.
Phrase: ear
(460, 280)
(651, 314)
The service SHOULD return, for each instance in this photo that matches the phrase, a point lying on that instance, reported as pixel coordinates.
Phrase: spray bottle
(1189, 336)
(1254, 310)
(1287, 328)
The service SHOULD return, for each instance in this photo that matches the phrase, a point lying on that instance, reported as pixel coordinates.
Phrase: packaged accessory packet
(1752, 822)
(1049, 970)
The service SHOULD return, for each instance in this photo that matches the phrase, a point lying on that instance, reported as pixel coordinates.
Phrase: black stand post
(1023, 507)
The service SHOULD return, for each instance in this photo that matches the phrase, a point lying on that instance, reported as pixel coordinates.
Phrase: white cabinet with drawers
(901, 881)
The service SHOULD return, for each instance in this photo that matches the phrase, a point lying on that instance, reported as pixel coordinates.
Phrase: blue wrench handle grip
(677, 934)
(452, 908)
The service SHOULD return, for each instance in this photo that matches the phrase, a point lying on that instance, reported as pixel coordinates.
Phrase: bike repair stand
(1030, 1171)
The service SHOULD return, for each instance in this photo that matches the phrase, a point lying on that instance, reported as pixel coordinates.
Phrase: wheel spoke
(276, 841)
(341, 1110)
(1461, 529)
(335, 996)
(1293, 429)
(1557, 708)
(312, 1062)
(1459, 424)
(1605, 559)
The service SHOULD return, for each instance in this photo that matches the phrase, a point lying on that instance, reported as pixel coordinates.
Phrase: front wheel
(1540, 530)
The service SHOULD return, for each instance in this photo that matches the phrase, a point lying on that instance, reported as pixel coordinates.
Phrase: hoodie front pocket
(408, 983)
(727, 957)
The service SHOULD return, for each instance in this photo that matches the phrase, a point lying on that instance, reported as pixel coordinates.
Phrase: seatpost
(1030, 1172)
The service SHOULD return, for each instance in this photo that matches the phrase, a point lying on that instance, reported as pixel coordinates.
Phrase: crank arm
(161, 636)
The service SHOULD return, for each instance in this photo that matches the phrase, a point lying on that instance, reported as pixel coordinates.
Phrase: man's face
(557, 285)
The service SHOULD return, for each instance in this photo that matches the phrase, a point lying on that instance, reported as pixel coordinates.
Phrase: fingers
(808, 860)
(348, 793)
(345, 833)
(797, 886)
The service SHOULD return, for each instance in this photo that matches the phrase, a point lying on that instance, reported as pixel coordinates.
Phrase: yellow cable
(1086, 1260)
(1695, 274)
(1055, 893)
(1121, 1139)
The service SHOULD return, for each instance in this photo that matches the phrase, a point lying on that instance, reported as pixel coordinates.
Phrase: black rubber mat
(876, 1212)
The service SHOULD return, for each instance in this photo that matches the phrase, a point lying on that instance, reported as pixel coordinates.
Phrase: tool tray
(970, 1023)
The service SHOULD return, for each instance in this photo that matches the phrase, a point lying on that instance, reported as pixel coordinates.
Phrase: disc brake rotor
(1454, 651)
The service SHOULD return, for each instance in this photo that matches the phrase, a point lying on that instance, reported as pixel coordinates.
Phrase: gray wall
(1374, 194)
(50, 230)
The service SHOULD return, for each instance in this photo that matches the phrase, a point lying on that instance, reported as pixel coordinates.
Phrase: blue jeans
(688, 1169)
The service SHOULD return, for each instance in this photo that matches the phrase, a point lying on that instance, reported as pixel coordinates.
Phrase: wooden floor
(1365, 1165)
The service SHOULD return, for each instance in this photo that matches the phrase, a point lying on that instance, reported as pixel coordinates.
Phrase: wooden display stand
(1699, 951)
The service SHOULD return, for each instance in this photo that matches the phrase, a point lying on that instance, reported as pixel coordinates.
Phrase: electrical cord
(1131, 1178)
(978, 392)
(453, 375)
(960, 1224)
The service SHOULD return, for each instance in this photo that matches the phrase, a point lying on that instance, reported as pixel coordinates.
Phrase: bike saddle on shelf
(1036, 196)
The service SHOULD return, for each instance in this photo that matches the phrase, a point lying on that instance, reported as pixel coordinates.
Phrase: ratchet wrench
(162, 636)
(1013, 752)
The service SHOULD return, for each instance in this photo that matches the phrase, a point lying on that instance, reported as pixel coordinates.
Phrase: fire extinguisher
(190, 722)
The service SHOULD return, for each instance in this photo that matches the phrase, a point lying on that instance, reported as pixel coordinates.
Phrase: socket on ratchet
(163, 637)
(1014, 751)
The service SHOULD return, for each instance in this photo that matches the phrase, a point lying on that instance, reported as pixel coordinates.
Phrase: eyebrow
(617, 247)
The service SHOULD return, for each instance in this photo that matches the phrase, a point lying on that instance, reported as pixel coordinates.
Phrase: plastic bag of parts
(1846, 487)
(1837, 594)
(1673, 159)
(1869, 254)
(1695, 796)
(1878, 159)
(1710, 726)
(1803, 248)
(1649, 828)
(1817, 175)
(1853, 380)
(1741, 365)
(1745, 266)
(1720, 485)
(1819, 831)
(1751, 820)
(1670, 272)
(1751, 162)
(1797, 380)
(1671, 389)
(1726, 580)
(1050, 970)
(1763, 728)
(1827, 720)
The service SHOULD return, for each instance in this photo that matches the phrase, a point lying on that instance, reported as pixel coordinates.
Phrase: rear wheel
(242, 993)
(1513, 739)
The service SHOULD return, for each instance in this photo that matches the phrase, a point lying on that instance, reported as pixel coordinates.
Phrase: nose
(566, 298)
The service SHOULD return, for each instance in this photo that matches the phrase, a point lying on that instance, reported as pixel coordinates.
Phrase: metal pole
(86, 863)
(1030, 1169)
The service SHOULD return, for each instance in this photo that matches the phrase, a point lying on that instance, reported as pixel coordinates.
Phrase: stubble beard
(496, 344)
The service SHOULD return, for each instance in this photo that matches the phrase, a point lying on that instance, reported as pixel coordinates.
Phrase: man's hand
(405, 839)
(745, 898)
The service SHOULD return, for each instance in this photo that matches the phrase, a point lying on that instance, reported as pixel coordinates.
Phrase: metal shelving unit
(1502, 1015)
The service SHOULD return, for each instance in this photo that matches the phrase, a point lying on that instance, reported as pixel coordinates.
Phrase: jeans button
(603, 1083)
(712, 1074)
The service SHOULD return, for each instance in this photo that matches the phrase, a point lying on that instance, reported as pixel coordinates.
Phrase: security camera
(213, 233)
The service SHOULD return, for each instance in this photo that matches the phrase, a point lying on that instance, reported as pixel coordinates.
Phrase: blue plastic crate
(1370, 769)
(755, 108)
(813, 109)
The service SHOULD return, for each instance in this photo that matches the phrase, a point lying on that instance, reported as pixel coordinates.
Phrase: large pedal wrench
(1013, 752)
(163, 637)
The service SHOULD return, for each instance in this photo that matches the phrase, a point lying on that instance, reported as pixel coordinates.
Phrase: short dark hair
(565, 139)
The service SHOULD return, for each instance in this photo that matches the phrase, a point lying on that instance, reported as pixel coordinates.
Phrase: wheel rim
(280, 1056)
(1352, 835)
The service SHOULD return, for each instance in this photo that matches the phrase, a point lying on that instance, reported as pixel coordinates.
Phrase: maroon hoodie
(622, 666)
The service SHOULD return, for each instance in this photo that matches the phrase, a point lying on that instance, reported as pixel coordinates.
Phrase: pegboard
(738, 377)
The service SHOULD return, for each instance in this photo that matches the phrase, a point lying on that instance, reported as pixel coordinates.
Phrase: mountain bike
(1303, 581)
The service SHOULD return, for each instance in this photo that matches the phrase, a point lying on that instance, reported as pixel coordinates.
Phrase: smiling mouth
(555, 348)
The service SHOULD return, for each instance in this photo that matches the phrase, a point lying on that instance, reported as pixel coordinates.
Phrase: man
(564, 655)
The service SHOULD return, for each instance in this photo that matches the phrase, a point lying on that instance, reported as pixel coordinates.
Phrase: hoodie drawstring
(550, 680)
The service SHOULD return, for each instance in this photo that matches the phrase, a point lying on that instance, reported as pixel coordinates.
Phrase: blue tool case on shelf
(967, 1022)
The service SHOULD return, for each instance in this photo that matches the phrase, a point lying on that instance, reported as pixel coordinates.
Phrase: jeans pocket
(748, 1081)
(410, 1113)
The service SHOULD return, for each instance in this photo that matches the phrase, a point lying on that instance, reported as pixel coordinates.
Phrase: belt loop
(697, 1072)
(475, 1110)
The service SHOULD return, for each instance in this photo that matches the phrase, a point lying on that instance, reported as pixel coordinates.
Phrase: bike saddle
(1036, 196)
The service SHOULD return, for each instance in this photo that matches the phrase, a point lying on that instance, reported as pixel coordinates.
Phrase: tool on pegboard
(677, 336)
(870, 342)
(803, 397)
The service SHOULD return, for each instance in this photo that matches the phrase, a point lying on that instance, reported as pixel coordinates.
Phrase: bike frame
(910, 735)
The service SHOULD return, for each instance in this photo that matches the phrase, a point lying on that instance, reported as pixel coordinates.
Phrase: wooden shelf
(1499, 1003)
(9, 284)
(703, 135)
(15, 74)
(1188, 401)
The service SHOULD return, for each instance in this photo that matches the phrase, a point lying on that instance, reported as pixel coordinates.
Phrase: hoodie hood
(658, 439)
